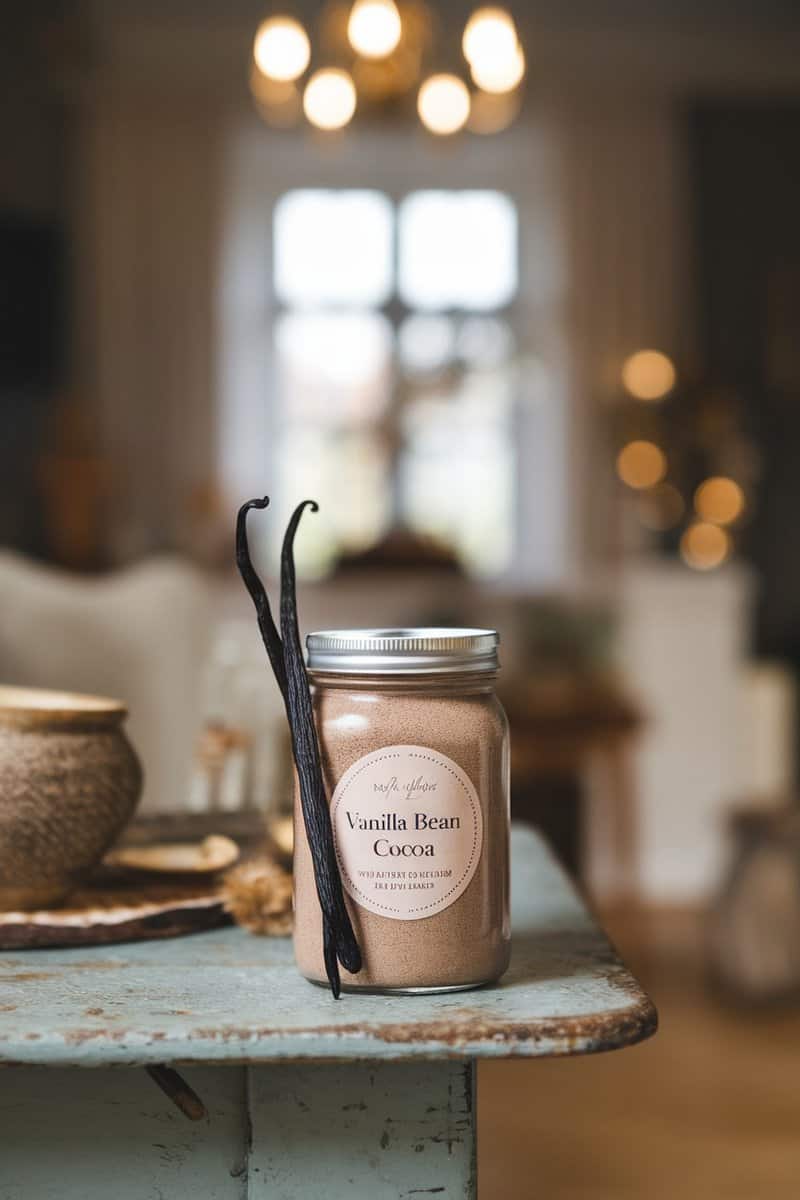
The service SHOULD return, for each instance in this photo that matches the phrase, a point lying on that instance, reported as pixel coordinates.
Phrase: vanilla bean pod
(340, 939)
(286, 658)
(258, 594)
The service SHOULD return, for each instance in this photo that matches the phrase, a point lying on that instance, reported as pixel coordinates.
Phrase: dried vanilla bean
(286, 658)
(340, 939)
(258, 594)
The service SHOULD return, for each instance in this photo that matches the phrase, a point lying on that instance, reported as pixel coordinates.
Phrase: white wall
(683, 648)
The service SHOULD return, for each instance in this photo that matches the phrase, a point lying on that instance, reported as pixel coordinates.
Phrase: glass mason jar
(415, 757)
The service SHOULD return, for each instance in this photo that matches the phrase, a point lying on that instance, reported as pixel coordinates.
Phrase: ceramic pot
(69, 781)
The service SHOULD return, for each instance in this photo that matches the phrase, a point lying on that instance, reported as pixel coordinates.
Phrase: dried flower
(258, 895)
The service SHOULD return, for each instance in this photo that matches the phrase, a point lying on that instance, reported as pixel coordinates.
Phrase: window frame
(266, 164)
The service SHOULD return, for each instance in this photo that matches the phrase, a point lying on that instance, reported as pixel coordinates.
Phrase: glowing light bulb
(498, 75)
(490, 37)
(719, 500)
(329, 100)
(374, 28)
(641, 464)
(648, 375)
(705, 546)
(281, 49)
(443, 104)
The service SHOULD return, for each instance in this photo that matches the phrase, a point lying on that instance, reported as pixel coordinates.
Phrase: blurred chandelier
(378, 55)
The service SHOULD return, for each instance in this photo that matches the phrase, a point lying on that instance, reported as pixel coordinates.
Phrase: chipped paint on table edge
(444, 1039)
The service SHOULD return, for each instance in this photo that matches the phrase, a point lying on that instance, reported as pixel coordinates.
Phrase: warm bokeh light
(641, 464)
(374, 27)
(499, 75)
(705, 546)
(490, 37)
(719, 500)
(443, 104)
(329, 100)
(661, 507)
(648, 375)
(281, 49)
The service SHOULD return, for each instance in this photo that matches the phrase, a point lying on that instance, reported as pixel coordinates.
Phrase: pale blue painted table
(305, 1097)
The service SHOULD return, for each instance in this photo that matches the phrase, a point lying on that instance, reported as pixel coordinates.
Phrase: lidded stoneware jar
(415, 758)
(69, 782)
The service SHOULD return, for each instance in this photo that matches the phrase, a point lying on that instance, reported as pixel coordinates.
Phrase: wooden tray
(113, 907)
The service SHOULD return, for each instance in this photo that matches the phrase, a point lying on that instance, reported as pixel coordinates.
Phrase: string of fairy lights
(682, 490)
(375, 53)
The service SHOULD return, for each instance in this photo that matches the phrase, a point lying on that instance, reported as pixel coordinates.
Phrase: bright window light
(336, 356)
(426, 343)
(459, 446)
(334, 368)
(485, 342)
(457, 250)
(333, 248)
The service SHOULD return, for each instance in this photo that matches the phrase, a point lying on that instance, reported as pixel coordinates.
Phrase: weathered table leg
(76, 1134)
(385, 1131)
(290, 1131)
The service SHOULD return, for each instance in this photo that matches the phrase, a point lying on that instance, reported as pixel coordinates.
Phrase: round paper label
(408, 830)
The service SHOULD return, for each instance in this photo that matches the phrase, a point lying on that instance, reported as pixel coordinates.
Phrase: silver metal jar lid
(402, 651)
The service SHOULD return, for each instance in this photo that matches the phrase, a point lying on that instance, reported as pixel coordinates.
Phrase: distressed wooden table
(292, 1094)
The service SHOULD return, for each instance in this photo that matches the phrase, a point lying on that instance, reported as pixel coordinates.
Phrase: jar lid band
(402, 651)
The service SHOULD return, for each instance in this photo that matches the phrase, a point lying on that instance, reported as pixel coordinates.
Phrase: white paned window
(394, 372)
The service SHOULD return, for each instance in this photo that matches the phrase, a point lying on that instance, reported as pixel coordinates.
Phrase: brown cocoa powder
(467, 943)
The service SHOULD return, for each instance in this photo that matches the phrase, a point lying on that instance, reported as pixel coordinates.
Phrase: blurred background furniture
(142, 635)
(755, 924)
(562, 737)
(572, 726)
